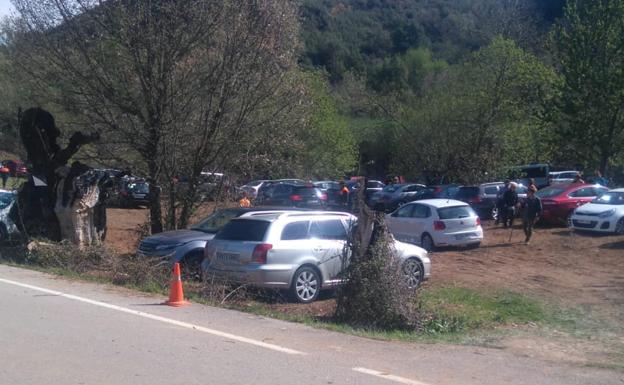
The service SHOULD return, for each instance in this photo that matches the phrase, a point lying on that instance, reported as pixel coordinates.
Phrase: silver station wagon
(301, 252)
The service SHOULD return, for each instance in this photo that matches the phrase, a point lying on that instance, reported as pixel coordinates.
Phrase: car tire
(472, 246)
(414, 272)
(190, 266)
(306, 285)
(427, 242)
(619, 227)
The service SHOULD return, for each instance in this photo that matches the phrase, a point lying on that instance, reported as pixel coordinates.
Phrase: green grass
(458, 309)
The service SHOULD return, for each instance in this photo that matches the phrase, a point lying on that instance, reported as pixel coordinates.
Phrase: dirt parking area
(577, 269)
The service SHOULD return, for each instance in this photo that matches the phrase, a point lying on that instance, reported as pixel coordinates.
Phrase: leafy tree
(589, 44)
(476, 117)
(330, 146)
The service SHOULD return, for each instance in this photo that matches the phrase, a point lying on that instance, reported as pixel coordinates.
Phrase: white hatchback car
(436, 222)
(603, 214)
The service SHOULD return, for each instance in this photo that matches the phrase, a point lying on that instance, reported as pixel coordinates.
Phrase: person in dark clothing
(4, 174)
(510, 200)
(499, 201)
(599, 179)
(532, 208)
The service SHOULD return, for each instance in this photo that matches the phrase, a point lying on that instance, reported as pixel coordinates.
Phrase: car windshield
(215, 222)
(549, 192)
(610, 198)
(6, 199)
(455, 212)
(254, 183)
(244, 230)
(141, 188)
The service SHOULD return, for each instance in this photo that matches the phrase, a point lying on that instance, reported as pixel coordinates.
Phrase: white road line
(158, 318)
(388, 376)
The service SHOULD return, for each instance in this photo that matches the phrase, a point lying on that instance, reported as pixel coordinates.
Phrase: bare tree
(170, 85)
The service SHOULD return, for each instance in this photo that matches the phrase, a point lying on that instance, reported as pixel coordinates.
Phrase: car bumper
(267, 276)
(594, 223)
(459, 238)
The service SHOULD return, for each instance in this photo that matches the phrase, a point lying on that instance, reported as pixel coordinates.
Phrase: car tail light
(478, 223)
(296, 198)
(476, 199)
(323, 197)
(260, 252)
(439, 225)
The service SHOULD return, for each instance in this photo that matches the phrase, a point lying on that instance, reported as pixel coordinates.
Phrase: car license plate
(465, 236)
(138, 196)
(228, 257)
(583, 222)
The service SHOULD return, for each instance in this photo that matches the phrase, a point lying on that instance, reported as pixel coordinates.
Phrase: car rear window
(455, 212)
(216, 221)
(465, 192)
(6, 199)
(306, 191)
(244, 230)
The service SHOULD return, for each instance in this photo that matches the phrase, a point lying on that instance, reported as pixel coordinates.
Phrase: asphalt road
(56, 332)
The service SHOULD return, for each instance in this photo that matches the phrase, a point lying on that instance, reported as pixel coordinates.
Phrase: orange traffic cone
(176, 293)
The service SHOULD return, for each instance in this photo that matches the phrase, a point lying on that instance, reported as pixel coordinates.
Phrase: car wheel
(494, 213)
(306, 284)
(472, 246)
(427, 242)
(414, 272)
(619, 227)
(190, 266)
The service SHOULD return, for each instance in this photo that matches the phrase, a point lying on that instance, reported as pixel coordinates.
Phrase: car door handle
(318, 249)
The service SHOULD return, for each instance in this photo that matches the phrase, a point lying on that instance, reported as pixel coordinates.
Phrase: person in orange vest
(4, 174)
(344, 194)
(244, 201)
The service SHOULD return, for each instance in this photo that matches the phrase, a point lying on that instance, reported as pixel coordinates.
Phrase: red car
(559, 201)
(16, 167)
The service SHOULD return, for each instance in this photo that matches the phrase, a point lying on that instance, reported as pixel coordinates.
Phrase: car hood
(593, 208)
(179, 236)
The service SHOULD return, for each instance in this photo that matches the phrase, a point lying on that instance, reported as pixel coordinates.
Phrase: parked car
(447, 191)
(252, 188)
(17, 168)
(560, 177)
(7, 227)
(483, 198)
(133, 193)
(269, 185)
(294, 195)
(604, 214)
(394, 195)
(538, 171)
(436, 222)
(372, 188)
(302, 252)
(187, 245)
(559, 201)
(332, 189)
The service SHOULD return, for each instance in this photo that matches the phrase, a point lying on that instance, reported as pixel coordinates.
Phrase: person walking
(499, 201)
(244, 201)
(578, 179)
(532, 209)
(4, 174)
(510, 201)
(599, 179)
(344, 194)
